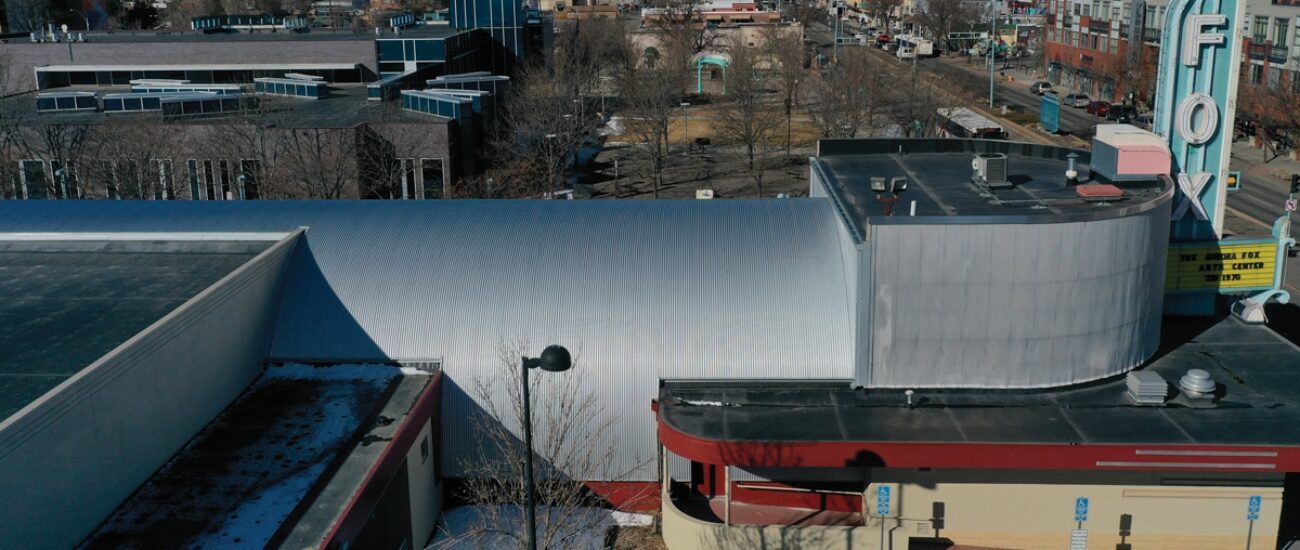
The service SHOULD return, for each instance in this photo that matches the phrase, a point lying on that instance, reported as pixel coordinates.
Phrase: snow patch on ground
(462, 528)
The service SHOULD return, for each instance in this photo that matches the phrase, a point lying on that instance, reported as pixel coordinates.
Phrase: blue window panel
(390, 50)
(408, 50)
(313, 91)
(430, 50)
(133, 104)
(151, 103)
(66, 103)
(46, 104)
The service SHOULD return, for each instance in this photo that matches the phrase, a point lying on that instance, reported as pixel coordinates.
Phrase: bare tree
(255, 141)
(132, 159)
(389, 150)
(317, 163)
(789, 71)
(12, 117)
(747, 118)
(852, 95)
(547, 123)
(1277, 126)
(573, 441)
(651, 100)
(884, 11)
(942, 17)
(64, 146)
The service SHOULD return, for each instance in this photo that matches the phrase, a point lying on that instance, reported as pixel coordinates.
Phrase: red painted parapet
(1007, 456)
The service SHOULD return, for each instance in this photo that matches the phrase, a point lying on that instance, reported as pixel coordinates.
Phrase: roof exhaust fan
(990, 170)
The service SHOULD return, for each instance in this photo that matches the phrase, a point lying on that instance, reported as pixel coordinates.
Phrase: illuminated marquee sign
(1195, 105)
(1226, 266)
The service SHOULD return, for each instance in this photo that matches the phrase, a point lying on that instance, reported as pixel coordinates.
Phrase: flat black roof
(248, 473)
(63, 305)
(939, 181)
(1258, 373)
(314, 34)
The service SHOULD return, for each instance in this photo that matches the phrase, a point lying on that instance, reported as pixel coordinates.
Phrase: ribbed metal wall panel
(1015, 305)
(639, 290)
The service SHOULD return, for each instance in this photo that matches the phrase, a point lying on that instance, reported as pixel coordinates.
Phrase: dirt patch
(637, 538)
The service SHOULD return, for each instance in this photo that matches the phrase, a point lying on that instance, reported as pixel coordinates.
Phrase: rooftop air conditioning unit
(991, 169)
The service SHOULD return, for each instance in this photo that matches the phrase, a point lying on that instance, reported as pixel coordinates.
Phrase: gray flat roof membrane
(64, 304)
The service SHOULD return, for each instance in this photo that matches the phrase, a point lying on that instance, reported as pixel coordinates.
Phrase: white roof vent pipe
(1197, 383)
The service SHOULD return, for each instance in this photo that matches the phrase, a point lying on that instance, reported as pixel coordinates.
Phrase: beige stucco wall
(1021, 516)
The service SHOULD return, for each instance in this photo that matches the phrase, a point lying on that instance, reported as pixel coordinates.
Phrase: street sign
(1252, 507)
(882, 500)
(1290, 205)
(1226, 266)
(1081, 509)
(1079, 538)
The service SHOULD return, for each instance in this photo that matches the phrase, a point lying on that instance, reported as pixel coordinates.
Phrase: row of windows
(66, 102)
(180, 88)
(408, 49)
(439, 105)
(208, 179)
(207, 106)
(1100, 42)
(114, 179)
(290, 87)
(1280, 33)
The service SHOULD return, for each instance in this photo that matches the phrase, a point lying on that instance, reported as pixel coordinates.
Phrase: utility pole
(993, 47)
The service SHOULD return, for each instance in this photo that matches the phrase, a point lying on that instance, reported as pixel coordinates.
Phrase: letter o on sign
(1209, 123)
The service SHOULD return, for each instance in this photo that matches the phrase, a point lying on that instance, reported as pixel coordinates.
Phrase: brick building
(1090, 46)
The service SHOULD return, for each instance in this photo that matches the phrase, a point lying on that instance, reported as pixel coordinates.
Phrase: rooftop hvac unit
(991, 169)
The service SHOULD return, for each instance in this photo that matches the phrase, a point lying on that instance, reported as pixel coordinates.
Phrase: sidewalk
(1251, 161)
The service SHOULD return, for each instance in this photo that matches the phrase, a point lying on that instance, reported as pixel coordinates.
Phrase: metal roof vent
(990, 169)
(1147, 388)
(1197, 383)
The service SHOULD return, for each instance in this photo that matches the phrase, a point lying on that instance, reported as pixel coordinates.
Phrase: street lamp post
(686, 121)
(554, 359)
(993, 47)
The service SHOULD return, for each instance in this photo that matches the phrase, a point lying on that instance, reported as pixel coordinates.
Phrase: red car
(1098, 108)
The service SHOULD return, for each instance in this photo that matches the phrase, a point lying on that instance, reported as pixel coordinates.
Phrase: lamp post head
(555, 359)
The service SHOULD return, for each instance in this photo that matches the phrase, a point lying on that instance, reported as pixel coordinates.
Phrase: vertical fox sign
(1196, 94)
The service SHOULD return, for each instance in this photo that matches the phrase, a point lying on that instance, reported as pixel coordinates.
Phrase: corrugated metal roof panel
(638, 290)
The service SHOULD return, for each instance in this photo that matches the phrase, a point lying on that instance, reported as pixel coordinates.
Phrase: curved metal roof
(738, 289)
(638, 290)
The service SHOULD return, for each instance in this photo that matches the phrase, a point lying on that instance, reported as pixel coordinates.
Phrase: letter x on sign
(1192, 185)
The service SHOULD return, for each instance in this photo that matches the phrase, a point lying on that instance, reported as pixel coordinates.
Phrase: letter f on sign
(1192, 185)
(1193, 37)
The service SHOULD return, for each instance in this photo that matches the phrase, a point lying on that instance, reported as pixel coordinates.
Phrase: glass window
(1256, 73)
(133, 104)
(1280, 27)
(389, 50)
(164, 190)
(209, 182)
(46, 104)
(196, 189)
(32, 173)
(248, 170)
(431, 178)
(1260, 34)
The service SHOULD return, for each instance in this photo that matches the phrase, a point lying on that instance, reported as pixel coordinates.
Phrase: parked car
(883, 39)
(1041, 87)
(1077, 100)
(1123, 114)
(1099, 108)
(1144, 121)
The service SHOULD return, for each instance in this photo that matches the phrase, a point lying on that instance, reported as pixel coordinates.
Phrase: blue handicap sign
(882, 500)
(1252, 507)
(1081, 509)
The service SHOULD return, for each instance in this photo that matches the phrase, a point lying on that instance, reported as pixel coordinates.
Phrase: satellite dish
(64, 28)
